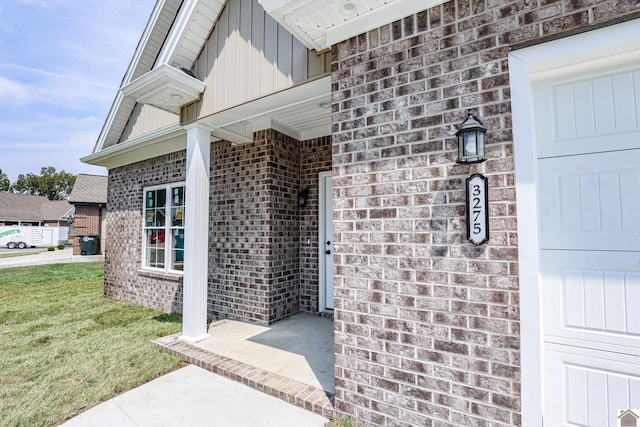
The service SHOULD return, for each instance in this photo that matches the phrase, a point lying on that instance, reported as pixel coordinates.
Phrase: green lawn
(65, 347)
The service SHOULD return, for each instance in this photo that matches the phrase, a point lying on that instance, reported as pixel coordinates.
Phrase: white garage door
(588, 139)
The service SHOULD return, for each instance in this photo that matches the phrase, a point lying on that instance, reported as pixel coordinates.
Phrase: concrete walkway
(299, 347)
(48, 257)
(192, 396)
(291, 359)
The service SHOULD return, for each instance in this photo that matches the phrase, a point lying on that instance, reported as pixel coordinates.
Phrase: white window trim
(167, 228)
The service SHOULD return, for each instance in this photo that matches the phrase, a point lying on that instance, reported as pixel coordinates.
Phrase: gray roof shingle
(89, 189)
(26, 207)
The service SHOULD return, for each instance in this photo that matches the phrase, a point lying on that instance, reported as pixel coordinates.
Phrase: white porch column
(196, 238)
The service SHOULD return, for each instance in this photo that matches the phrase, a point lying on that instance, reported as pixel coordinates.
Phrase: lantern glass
(470, 144)
(471, 140)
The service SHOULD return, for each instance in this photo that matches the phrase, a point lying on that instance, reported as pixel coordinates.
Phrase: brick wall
(253, 266)
(263, 257)
(123, 277)
(86, 221)
(261, 267)
(315, 157)
(427, 324)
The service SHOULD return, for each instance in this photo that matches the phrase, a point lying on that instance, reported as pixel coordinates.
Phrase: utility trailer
(20, 236)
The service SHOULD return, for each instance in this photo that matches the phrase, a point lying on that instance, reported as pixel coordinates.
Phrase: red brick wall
(86, 221)
(427, 324)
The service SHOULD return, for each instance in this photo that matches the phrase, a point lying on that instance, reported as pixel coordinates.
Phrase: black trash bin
(88, 244)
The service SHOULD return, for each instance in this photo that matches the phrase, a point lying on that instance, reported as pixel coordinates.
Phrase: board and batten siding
(249, 55)
(145, 119)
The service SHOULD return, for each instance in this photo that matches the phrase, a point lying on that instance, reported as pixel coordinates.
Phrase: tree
(54, 185)
(5, 184)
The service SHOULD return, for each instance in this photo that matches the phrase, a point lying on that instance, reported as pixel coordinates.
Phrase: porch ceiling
(302, 112)
(320, 24)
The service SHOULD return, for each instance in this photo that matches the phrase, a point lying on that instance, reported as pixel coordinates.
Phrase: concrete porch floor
(291, 359)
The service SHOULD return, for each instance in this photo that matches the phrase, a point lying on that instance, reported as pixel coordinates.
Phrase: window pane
(177, 249)
(151, 199)
(159, 217)
(155, 238)
(161, 199)
(177, 207)
(178, 196)
(149, 217)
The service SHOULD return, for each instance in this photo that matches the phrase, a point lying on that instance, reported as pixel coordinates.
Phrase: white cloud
(11, 91)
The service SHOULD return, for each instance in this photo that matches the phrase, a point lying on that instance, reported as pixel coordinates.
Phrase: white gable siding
(249, 55)
(145, 119)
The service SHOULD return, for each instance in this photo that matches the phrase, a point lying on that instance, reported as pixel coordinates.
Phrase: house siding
(427, 327)
(249, 55)
(145, 119)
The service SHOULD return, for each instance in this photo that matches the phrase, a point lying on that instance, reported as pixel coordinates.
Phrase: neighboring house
(26, 209)
(233, 110)
(89, 197)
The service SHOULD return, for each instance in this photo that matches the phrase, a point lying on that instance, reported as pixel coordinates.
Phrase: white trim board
(612, 45)
(322, 218)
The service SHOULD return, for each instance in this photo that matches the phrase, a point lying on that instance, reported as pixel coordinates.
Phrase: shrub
(51, 248)
(60, 246)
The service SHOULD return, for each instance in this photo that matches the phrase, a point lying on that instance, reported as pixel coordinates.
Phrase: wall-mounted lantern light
(302, 197)
(471, 140)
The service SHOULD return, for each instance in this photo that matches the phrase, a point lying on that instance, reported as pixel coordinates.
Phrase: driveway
(47, 257)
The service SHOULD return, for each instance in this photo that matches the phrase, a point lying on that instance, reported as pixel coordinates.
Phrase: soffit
(189, 33)
(302, 112)
(321, 24)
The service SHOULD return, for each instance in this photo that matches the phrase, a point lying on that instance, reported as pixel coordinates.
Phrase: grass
(65, 347)
(342, 422)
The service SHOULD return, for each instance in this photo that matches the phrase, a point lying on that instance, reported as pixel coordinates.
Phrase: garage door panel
(591, 299)
(588, 113)
(590, 201)
(591, 386)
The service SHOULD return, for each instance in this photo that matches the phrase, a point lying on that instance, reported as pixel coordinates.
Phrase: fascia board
(154, 144)
(113, 113)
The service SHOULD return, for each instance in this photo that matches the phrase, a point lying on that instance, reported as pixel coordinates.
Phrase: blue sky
(61, 63)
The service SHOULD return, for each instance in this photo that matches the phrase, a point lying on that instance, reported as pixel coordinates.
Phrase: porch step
(305, 396)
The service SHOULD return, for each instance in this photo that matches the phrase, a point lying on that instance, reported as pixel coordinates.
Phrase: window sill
(175, 277)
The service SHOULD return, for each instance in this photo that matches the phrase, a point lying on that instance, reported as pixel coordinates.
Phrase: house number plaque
(477, 209)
